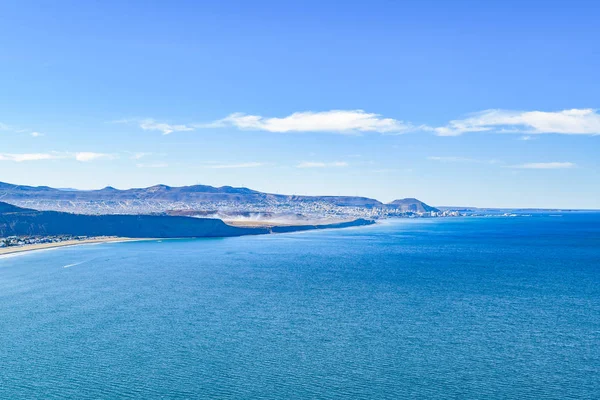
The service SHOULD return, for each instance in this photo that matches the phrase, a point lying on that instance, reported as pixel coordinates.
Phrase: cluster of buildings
(28, 240)
(308, 209)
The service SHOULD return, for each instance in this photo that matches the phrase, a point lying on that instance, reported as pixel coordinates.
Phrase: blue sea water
(465, 308)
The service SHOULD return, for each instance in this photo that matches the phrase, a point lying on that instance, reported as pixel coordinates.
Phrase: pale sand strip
(271, 224)
(41, 246)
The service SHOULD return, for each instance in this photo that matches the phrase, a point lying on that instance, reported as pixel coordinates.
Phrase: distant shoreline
(66, 243)
(248, 223)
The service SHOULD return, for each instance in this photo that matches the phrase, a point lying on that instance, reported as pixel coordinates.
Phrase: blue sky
(454, 102)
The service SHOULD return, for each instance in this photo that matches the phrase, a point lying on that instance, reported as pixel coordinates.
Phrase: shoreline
(67, 243)
(274, 229)
(247, 223)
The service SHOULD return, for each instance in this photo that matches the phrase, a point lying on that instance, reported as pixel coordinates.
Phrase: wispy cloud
(526, 138)
(546, 165)
(335, 121)
(22, 157)
(139, 155)
(241, 165)
(149, 124)
(567, 122)
(86, 156)
(584, 121)
(165, 128)
(312, 164)
(36, 134)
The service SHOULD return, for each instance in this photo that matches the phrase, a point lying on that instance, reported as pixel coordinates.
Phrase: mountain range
(161, 198)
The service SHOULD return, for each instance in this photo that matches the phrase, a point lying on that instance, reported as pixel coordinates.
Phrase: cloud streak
(165, 128)
(567, 122)
(334, 121)
(150, 124)
(81, 156)
(86, 156)
(585, 121)
(23, 157)
(546, 165)
(139, 155)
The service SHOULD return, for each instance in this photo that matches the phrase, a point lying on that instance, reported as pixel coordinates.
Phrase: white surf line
(24, 253)
(72, 265)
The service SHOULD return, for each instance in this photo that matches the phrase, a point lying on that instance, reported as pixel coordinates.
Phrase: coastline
(270, 229)
(248, 223)
(66, 243)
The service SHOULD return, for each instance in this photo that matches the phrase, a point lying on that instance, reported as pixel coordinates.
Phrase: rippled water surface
(479, 308)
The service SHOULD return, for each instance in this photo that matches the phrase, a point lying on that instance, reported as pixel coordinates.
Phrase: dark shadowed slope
(15, 221)
(19, 221)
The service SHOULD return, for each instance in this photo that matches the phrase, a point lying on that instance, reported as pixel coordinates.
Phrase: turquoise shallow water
(494, 308)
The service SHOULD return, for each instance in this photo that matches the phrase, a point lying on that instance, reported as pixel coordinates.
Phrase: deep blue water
(471, 308)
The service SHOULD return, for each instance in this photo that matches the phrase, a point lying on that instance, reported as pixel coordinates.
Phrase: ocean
(455, 308)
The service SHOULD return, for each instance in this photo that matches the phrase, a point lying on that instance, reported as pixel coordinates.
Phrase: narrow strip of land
(267, 228)
(265, 223)
(41, 246)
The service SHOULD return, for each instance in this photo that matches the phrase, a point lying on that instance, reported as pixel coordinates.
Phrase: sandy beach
(249, 223)
(42, 246)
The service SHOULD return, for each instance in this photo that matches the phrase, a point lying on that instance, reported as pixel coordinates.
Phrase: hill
(16, 221)
(412, 205)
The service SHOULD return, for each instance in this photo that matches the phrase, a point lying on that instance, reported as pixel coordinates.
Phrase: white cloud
(139, 155)
(86, 156)
(337, 121)
(29, 157)
(312, 164)
(36, 134)
(242, 165)
(526, 138)
(567, 122)
(165, 128)
(547, 165)
(4, 127)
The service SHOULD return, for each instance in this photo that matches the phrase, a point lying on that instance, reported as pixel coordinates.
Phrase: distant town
(18, 241)
(310, 210)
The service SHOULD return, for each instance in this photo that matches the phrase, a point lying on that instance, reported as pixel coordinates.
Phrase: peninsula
(23, 222)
